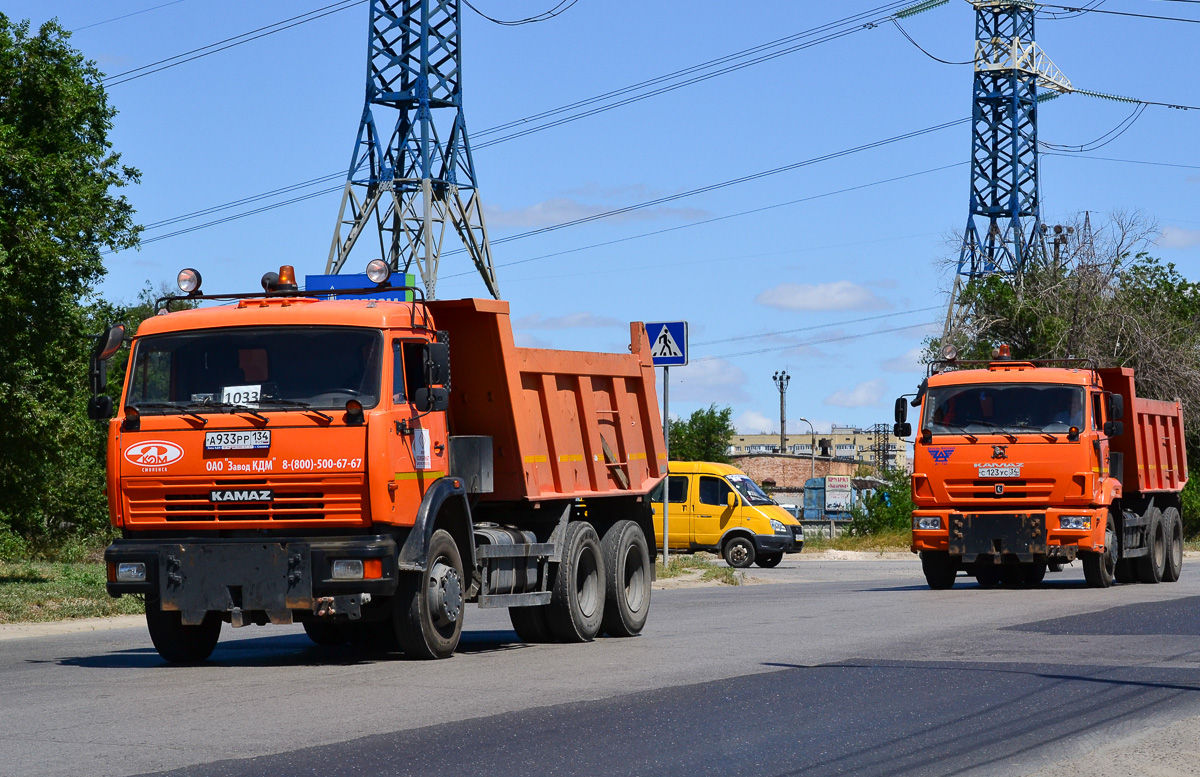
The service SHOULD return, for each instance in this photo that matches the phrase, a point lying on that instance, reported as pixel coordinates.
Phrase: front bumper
(1026, 533)
(792, 542)
(268, 575)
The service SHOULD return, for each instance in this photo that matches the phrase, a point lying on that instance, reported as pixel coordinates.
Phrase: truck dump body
(564, 424)
(1153, 441)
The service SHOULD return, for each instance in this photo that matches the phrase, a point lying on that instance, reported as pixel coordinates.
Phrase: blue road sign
(668, 343)
(334, 283)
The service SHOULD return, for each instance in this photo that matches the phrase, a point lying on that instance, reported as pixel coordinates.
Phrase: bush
(1191, 507)
(887, 510)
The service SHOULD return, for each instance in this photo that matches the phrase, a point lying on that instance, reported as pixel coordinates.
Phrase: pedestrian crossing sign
(668, 343)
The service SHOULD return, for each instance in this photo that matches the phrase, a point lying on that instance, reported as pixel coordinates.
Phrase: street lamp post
(812, 448)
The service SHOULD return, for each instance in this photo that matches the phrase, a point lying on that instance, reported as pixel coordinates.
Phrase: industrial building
(841, 442)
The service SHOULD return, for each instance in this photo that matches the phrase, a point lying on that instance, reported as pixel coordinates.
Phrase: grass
(52, 591)
(872, 543)
(708, 566)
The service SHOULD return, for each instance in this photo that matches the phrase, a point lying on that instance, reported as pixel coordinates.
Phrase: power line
(212, 48)
(541, 17)
(904, 32)
(817, 342)
(1079, 10)
(126, 16)
(1104, 139)
(1127, 161)
(819, 326)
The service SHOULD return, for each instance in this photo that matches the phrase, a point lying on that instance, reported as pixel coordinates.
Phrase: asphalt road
(839, 667)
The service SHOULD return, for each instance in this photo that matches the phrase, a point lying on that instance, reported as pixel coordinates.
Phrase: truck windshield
(749, 490)
(1021, 408)
(268, 368)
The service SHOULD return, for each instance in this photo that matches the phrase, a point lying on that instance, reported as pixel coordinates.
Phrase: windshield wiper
(1011, 437)
(231, 407)
(169, 406)
(972, 437)
(297, 403)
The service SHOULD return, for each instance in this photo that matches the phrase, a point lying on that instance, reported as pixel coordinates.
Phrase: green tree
(704, 436)
(889, 508)
(58, 212)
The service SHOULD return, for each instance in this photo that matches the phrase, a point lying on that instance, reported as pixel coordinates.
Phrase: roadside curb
(43, 629)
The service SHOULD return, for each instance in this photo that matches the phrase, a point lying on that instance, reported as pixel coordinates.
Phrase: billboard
(837, 494)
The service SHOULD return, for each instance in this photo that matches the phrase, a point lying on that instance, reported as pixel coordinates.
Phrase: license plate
(999, 472)
(257, 439)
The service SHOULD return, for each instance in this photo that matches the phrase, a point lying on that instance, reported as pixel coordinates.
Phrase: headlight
(926, 524)
(1074, 521)
(778, 527)
(131, 572)
(347, 569)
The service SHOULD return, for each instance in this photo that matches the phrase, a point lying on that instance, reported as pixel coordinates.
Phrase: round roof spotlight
(949, 353)
(378, 271)
(189, 281)
(269, 281)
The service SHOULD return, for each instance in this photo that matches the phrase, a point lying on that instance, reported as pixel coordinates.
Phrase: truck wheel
(1098, 568)
(326, 634)
(626, 580)
(1124, 571)
(769, 560)
(1054, 566)
(531, 624)
(179, 644)
(738, 552)
(1173, 525)
(1150, 566)
(987, 575)
(576, 608)
(1033, 574)
(939, 569)
(428, 606)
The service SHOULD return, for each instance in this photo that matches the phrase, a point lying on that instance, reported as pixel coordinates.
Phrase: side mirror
(1116, 407)
(429, 400)
(731, 500)
(1114, 428)
(437, 364)
(107, 344)
(902, 429)
(901, 410)
(100, 407)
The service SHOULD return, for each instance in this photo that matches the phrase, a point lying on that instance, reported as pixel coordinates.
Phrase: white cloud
(707, 382)
(863, 395)
(1177, 237)
(839, 295)
(910, 361)
(580, 320)
(557, 210)
(526, 340)
(754, 422)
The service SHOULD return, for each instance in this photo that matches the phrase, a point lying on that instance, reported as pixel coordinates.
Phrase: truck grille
(339, 499)
(1014, 490)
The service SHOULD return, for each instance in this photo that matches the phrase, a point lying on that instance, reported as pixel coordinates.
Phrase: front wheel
(739, 552)
(326, 634)
(179, 644)
(940, 570)
(626, 580)
(428, 606)
(769, 560)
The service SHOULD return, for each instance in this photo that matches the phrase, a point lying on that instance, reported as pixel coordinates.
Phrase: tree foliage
(58, 211)
(704, 436)
(888, 509)
(1107, 300)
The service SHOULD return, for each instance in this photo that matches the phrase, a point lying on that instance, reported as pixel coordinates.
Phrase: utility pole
(781, 379)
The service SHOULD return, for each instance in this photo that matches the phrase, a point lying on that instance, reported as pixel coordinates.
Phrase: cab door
(712, 513)
(416, 447)
(680, 518)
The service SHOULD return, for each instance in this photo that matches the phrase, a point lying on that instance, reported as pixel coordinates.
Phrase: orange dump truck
(1023, 466)
(367, 467)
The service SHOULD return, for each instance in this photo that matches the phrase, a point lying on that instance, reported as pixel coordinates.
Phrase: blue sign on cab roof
(326, 283)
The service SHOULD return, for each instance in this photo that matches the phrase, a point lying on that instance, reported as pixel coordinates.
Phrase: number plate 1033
(256, 439)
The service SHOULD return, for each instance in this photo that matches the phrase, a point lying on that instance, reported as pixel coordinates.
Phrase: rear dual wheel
(1173, 525)
(627, 579)
(1151, 566)
(576, 609)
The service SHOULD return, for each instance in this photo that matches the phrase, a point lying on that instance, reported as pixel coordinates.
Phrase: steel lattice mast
(1003, 233)
(402, 175)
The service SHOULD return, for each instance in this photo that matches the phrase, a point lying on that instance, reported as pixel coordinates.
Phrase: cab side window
(713, 491)
(1097, 410)
(398, 394)
(678, 492)
(408, 369)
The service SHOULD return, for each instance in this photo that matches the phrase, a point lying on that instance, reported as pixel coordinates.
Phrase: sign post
(668, 348)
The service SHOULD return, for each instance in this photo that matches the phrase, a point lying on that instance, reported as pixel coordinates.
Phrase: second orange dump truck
(367, 467)
(1023, 466)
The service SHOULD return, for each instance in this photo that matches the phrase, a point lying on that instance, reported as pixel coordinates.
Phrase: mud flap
(271, 577)
(1022, 535)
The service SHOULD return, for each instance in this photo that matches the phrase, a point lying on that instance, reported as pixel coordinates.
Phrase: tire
(531, 624)
(326, 634)
(1012, 575)
(1033, 574)
(1173, 525)
(427, 612)
(179, 644)
(1098, 568)
(738, 552)
(626, 580)
(576, 609)
(769, 560)
(1124, 572)
(940, 570)
(1150, 567)
(987, 575)
(1054, 566)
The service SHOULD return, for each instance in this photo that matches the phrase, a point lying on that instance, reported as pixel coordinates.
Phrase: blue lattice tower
(403, 177)
(1003, 233)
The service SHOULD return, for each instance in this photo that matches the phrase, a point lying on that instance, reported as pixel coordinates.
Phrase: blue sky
(285, 109)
